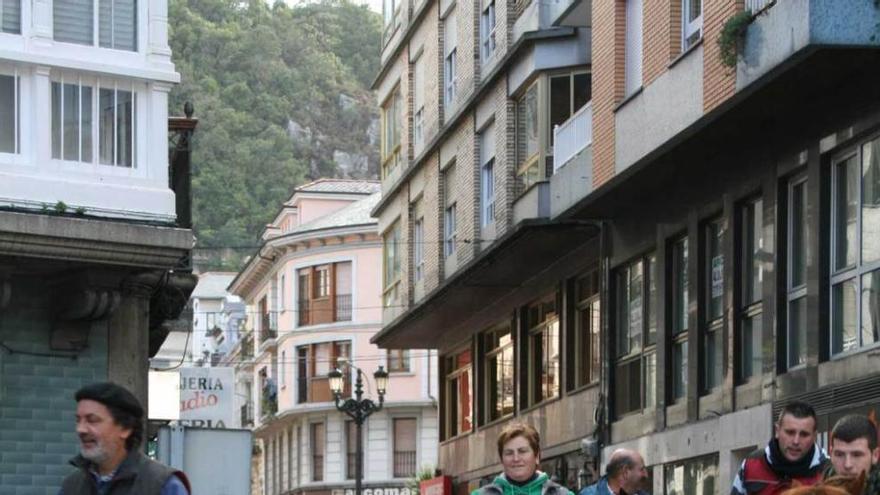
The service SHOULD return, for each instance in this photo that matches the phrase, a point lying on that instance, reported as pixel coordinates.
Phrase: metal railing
(404, 464)
(343, 307)
(572, 136)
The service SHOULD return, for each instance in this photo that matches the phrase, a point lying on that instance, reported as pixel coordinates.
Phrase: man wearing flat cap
(110, 426)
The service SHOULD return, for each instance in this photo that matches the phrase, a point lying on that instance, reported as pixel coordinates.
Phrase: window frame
(646, 352)
(452, 374)
(495, 347)
(528, 170)
(313, 444)
(16, 115)
(547, 322)
(487, 176)
(488, 28)
(401, 358)
(418, 102)
(794, 293)
(96, 20)
(450, 52)
(691, 31)
(680, 301)
(855, 272)
(390, 145)
(395, 451)
(585, 349)
(750, 245)
(419, 249)
(391, 270)
(20, 19)
(712, 327)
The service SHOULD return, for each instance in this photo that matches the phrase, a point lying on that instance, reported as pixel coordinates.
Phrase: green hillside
(281, 94)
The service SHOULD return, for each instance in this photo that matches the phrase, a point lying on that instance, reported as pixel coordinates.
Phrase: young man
(854, 451)
(110, 426)
(624, 474)
(792, 454)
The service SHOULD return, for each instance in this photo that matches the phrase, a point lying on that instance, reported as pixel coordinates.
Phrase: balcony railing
(247, 415)
(404, 464)
(343, 307)
(572, 136)
(756, 6)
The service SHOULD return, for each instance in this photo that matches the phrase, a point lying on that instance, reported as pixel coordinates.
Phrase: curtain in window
(73, 21)
(10, 16)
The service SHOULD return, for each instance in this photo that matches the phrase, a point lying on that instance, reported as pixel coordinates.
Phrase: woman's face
(519, 460)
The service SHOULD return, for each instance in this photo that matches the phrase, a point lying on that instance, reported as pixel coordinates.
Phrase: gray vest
(138, 475)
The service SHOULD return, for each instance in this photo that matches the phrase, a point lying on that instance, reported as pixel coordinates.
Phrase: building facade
(217, 319)
(699, 253)
(313, 303)
(94, 236)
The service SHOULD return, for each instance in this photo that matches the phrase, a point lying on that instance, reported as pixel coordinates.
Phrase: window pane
(124, 113)
(680, 286)
(560, 101)
(86, 122)
(650, 380)
(73, 21)
(527, 125)
(635, 307)
(692, 477)
(799, 246)
(844, 335)
(594, 340)
(871, 201)
(715, 258)
(871, 307)
(623, 321)
(714, 358)
(627, 386)
(10, 16)
(582, 90)
(56, 120)
(7, 113)
(71, 122)
(404, 447)
(117, 24)
(751, 346)
(679, 369)
(753, 245)
(652, 300)
(797, 332)
(846, 176)
(105, 130)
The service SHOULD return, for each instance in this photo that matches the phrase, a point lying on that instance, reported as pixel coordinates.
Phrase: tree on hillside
(277, 91)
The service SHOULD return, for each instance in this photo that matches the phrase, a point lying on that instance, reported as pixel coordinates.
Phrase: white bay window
(74, 22)
(10, 16)
(83, 114)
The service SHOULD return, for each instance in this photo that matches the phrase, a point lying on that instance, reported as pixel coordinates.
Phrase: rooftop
(357, 213)
(213, 285)
(343, 186)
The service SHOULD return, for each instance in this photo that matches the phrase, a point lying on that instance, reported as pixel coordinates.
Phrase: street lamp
(358, 409)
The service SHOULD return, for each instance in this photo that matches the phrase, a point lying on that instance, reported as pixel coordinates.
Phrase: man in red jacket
(791, 455)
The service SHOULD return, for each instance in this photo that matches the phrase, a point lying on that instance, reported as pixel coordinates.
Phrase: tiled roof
(348, 186)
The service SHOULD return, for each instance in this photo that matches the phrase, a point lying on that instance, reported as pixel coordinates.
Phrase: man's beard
(96, 453)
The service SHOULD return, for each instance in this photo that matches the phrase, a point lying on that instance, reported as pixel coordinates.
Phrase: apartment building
(699, 253)
(313, 298)
(94, 216)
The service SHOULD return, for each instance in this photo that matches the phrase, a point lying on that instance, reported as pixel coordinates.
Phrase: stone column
(128, 335)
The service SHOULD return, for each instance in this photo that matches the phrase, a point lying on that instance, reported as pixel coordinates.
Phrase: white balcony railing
(572, 136)
(756, 6)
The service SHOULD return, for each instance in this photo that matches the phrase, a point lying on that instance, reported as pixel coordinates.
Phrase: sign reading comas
(207, 398)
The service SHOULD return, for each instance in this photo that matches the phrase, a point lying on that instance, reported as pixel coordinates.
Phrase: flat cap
(112, 396)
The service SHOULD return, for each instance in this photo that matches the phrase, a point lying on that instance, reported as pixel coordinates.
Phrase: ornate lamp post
(358, 409)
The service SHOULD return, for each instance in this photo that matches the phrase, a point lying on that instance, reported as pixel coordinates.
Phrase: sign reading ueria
(207, 398)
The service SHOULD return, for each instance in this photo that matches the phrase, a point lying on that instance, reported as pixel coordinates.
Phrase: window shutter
(118, 21)
(10, 16)
(73, 20)
(404, 435)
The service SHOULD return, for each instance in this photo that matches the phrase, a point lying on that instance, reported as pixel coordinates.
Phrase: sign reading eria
(207, 397)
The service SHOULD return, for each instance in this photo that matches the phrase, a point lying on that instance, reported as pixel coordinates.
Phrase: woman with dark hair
(519, 447)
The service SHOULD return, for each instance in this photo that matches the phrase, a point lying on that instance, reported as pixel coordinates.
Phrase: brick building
(95, 232)
(696, 246)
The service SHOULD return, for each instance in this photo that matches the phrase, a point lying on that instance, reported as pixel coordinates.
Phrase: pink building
(313, 295)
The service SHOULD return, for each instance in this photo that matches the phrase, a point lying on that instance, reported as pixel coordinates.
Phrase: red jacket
(757, 475)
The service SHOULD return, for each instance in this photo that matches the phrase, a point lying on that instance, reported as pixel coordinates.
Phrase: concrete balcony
(546, 14)
(532, 204)
(572, 176)
(796, 27)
